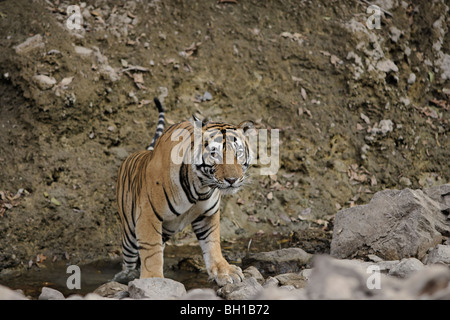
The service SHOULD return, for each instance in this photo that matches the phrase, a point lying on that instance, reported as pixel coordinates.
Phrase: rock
(333, 279)
(281, 293)
(252, 272)
(440, 194)
(94, 296)
(83, 51)
(306, 274)
(271, 282)
(291, 279)
(405, 181)
(107, 72)
(75, 297)
(121, 154)
(278, 261)
(50, 294)
(432, 282)
(444, 64)
(9, 294)
(44, 82)
(111, 290)
(395, 34)
(405, 101)
(350, 279)
(406, 267)
(438, 254)
(386, 266)
(386, 126)
(200, 294)
(411, 78)
(155, 289)
(244, 290)
(386, 66)
(207, 96)
(394, 225)
(30, 44)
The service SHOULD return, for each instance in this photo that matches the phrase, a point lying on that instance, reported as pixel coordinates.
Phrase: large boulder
(244, 290)
(396, 224)
(9, 294)
(156, 289)
(352, 279)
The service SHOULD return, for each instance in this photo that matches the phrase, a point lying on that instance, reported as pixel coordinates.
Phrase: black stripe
(128, 249)
(203, 196)
(202, 235)
(199, 219)
(154, 210)
(177, 126)
(165, 237)
(132, 243)
(219, 126)
(185, 184)
(133, 256)
(146, 245)
(204, 213)
(169, 203)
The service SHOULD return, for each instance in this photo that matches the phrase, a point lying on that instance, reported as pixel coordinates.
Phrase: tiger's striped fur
(158, 196)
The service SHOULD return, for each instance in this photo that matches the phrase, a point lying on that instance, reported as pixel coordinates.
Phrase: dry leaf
(253, 218)
(66, 81)
(260, 233)
(303, 93)
(365, 118)
(308, 113)
(40, 258)
(335, 60)
(276, 186)
(96, 13)
(138, 78)
(441, 103)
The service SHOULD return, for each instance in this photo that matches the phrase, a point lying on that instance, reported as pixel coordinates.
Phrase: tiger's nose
(231, 180)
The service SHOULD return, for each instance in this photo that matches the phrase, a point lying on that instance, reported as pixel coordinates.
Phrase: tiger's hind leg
(130, 263)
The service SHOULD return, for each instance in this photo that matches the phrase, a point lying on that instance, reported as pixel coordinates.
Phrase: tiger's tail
(160, 126)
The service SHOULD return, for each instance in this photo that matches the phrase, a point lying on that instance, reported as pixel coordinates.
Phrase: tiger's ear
(246, 126)
(196, 121)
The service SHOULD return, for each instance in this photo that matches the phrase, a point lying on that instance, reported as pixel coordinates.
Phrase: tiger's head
(225, 155)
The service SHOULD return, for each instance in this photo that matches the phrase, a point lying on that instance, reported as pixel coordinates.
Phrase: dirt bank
(358, 110)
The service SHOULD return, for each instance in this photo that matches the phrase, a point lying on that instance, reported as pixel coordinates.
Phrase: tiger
(159, 195)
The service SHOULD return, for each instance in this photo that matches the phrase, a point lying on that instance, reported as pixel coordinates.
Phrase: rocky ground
(359, 111)
(412, 261)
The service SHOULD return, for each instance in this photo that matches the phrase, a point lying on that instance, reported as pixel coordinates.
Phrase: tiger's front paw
(224, 273)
